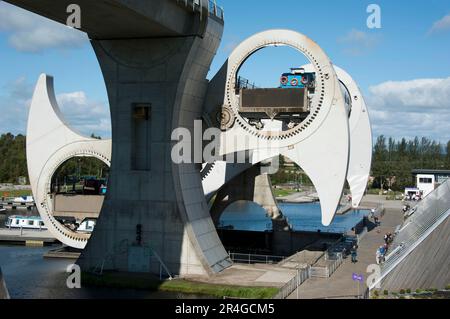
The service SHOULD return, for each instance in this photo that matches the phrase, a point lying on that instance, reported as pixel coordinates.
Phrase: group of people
(382, 250)
(413, 197)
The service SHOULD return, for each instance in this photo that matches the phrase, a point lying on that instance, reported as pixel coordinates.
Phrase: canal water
(249, 216)
(30, 276)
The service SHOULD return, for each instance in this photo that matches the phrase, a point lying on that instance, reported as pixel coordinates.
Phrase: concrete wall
(427, 266)
(288, 243)
(250, 185)
(275, 243)
(78, 206)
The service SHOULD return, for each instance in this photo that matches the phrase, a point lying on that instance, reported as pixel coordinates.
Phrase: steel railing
(285, 291)
(197, 6)
(215, 10)
(428, 214)
(243, 83)
(333, 262)
(255, 259)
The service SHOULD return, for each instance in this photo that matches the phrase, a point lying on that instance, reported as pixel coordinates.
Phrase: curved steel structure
(360, 160)
(51, 142)
(322, 136)
(214, 175)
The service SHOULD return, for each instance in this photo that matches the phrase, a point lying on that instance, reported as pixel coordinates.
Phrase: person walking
(378, 256)
(354, 254)
(372, 213)
(382, 254)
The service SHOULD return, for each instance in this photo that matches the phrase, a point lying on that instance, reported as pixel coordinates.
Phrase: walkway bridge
(420, 254)
(131, 19)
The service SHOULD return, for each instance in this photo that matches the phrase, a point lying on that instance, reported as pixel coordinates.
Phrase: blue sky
(402, 68)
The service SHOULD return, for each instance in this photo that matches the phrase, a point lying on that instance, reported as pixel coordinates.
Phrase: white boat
(26, 222)
(24, 200)
(87, 225)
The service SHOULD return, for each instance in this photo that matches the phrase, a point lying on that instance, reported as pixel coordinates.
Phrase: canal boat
(87, 225)
(26, 222)
(23, 200)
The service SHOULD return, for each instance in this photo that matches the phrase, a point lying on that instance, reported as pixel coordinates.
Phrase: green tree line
(393, 161)
(13, 163)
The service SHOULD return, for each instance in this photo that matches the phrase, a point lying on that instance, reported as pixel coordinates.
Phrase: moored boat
(26, 222)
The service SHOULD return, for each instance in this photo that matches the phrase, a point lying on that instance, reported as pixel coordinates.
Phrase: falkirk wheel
(335, 125)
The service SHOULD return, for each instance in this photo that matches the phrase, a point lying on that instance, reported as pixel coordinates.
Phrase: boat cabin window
(41, 223)
(17, 222)
(31, 222)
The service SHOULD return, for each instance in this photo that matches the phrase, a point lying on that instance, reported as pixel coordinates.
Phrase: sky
(402, 68)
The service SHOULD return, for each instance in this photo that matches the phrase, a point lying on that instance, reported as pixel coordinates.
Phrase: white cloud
(357, 42)
(82, 113)
(418, 107)
(441, 25)
(28, 32)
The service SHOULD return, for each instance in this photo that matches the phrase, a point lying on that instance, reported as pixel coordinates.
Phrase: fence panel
(293, 284)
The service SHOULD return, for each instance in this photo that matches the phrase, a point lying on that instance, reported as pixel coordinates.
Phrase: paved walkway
(254, 275)
(11, 235)
(340, 284)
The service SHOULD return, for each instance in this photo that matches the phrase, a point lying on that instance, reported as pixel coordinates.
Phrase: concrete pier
(155, 211)
(251, 186)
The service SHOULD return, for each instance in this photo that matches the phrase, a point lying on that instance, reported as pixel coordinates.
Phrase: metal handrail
(197, 6)
(254, 258)
(301, 276)
(429, 214)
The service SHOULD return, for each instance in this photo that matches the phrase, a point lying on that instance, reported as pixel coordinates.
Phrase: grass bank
(145, 282)
(15, 192)
(279, 192)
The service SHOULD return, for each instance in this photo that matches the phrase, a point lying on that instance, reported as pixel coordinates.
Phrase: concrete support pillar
(155, 209)
(252, 186)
